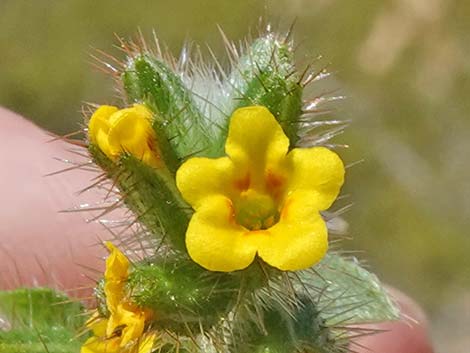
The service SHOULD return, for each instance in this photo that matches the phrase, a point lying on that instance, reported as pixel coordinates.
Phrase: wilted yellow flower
(123, 331)
(127, 130)
(260, 199)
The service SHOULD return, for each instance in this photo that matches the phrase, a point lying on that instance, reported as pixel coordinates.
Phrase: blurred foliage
(39, 320)
(402, 63)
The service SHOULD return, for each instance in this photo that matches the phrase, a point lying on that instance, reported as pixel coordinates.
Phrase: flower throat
(255, 211)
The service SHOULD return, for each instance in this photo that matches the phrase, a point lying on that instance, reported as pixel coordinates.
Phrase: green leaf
(349, 294)
(38, 320)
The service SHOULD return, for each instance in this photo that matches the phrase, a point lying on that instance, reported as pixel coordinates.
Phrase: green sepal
(350, 294)
(33, 319)
(152, 195)
(167, 153)
(277, 336)
(149, 80)
(265, 75)
(295, 325)
(182, 294)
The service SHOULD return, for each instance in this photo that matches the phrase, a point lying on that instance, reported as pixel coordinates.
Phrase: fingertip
(407, 335)
(39, 245)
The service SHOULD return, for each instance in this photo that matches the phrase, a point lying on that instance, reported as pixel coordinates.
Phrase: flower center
(255, 211)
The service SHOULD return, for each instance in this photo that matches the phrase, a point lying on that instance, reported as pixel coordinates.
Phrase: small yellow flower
(127, 130)
(260, 199)
(123, 331)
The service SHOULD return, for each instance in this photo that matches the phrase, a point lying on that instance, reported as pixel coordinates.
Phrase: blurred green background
(404, 64)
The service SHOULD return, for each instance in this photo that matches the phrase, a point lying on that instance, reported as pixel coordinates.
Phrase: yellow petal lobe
(215, 241)
(255, 141)
(315, 169)
(129, 320)
(300, 238)
(115, 276)
(98, 128)
(130, 131)
(100, 345)
(199, 178)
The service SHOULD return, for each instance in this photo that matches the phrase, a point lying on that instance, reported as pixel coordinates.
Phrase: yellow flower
(123, 331)
(127, 130)
(260, 199)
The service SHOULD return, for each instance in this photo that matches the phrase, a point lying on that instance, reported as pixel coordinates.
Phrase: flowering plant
(231, 177)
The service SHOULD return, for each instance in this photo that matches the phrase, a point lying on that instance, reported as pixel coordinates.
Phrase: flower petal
(256, 141)
(316, 169)
(131, 318)
(100, 345)
(115, 276)
(97, 324)
(98, 128)
(215, 241)
(300, 238)
(131, 131)
(146, 343)
(199, 178)
(117, 264)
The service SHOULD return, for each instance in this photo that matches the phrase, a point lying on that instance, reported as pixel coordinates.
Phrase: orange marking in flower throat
(244, 183)
(274, 183)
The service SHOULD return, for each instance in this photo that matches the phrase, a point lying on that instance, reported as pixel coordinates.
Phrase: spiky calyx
(196, 310)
